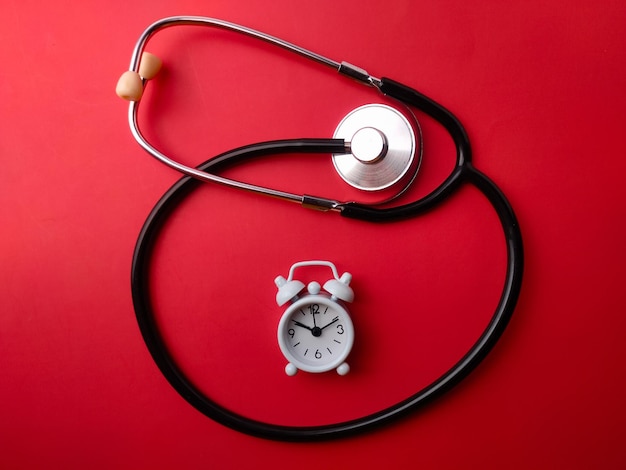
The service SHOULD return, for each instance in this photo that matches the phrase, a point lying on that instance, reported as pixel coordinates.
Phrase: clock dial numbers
(316, 344)
(316, 335)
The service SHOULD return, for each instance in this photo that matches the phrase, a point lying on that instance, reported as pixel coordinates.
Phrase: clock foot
(343, 369)
(290, 369)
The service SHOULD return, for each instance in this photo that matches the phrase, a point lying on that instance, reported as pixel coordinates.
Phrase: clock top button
(314, 288)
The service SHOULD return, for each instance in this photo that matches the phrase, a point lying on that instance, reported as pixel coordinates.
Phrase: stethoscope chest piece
(385, 148)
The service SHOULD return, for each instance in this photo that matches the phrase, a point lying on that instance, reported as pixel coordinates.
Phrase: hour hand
(302, 325)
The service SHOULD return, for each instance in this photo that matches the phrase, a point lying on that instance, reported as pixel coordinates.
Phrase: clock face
(315, 334)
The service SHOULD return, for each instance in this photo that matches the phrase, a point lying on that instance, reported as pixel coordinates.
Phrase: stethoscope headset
(369, 153)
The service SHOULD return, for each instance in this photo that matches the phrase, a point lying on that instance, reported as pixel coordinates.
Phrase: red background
(540, 90)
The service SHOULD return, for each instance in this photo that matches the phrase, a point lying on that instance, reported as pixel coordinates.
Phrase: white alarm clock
(315, 334)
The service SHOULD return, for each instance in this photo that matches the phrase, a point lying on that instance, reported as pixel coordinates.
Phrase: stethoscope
(375, 148)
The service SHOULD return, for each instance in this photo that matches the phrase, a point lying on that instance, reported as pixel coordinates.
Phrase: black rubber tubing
(464, 172)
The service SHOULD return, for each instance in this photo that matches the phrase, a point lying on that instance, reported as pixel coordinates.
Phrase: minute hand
(336, 319)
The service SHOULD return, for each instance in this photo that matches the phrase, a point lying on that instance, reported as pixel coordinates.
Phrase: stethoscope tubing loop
(174, 375)
(463, 173)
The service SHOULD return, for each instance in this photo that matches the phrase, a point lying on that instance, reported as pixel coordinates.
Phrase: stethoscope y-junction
(376, 148)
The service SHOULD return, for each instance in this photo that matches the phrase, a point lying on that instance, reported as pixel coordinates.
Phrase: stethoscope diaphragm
(385, 150)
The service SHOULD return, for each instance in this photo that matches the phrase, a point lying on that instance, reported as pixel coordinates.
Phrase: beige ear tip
(149, 66)
(129, 86)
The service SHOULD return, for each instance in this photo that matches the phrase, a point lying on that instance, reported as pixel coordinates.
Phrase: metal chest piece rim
(383, 148)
